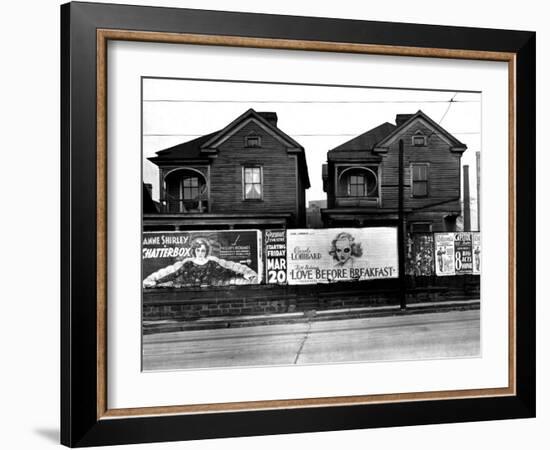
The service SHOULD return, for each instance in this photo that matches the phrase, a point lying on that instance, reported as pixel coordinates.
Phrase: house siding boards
(443, 171)
(279, 174)
(221, 158)
(441, 154)
(301, 220)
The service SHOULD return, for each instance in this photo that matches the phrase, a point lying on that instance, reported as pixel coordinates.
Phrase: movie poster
(463, 253)
(476, 251)
(444, 254)
(341, 254)
(201, 258)
(275, 256)
(420, 257)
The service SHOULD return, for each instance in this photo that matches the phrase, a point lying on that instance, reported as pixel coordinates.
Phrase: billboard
(476, 251)
(420, 254)
(275, 256)
(201, 258)
(341, 254)
(444, 254)
(463, 253)
(457, 253)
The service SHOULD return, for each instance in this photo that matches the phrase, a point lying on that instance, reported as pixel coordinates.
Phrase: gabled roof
(376, 140)
(260, 118)
(363, 143)
(455, 144)
(207, 146)
(186, 150)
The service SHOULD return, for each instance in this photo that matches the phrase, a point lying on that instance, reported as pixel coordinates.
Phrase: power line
(294, 83)
(451, 101)
(306, 101)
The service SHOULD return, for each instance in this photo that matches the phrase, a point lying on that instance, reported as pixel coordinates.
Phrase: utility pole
(467, 222)
(401, 233)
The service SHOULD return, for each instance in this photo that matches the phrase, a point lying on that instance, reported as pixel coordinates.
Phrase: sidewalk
(170, 326)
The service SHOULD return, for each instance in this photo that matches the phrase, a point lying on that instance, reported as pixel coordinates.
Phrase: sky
(318, 117)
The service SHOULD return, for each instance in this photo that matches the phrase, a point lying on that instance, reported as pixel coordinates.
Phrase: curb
(212, 323)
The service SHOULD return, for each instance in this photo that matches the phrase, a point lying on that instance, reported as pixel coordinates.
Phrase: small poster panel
(463, 253)
(444, 254)
(201, 258)
(476, 251)
(341, 254)
(275, 256)
(420, 257)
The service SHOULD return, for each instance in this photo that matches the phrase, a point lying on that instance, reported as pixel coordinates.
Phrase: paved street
(432, 335)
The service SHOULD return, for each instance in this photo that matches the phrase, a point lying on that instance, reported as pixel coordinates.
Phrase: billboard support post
(401, 234)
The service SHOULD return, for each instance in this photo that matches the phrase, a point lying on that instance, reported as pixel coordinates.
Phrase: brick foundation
(194, 303)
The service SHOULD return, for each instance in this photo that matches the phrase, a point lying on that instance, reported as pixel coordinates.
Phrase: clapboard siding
(439, 207)
(443, 171)
(435, 217)
(279, 175)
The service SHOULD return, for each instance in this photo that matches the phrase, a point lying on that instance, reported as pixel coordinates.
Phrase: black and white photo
(288, 224)
(281, 224)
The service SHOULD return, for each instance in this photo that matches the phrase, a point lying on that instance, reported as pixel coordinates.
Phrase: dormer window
(419, 140)
(252, 141)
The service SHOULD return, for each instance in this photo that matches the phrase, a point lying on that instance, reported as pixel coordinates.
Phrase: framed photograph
(277, 224)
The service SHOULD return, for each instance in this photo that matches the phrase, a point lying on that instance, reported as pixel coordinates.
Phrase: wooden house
(362, 177)
(249, 174)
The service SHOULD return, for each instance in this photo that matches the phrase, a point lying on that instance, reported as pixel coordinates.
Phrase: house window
(419, 176)
(190, 188)
(357, 186)
(252, 141)
(252, 186)
(185, 190)
(421, 227)
(358, 182)
(419, 140)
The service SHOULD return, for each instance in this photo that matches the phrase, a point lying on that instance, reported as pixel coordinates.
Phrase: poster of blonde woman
(341, 254)
(266, 243)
